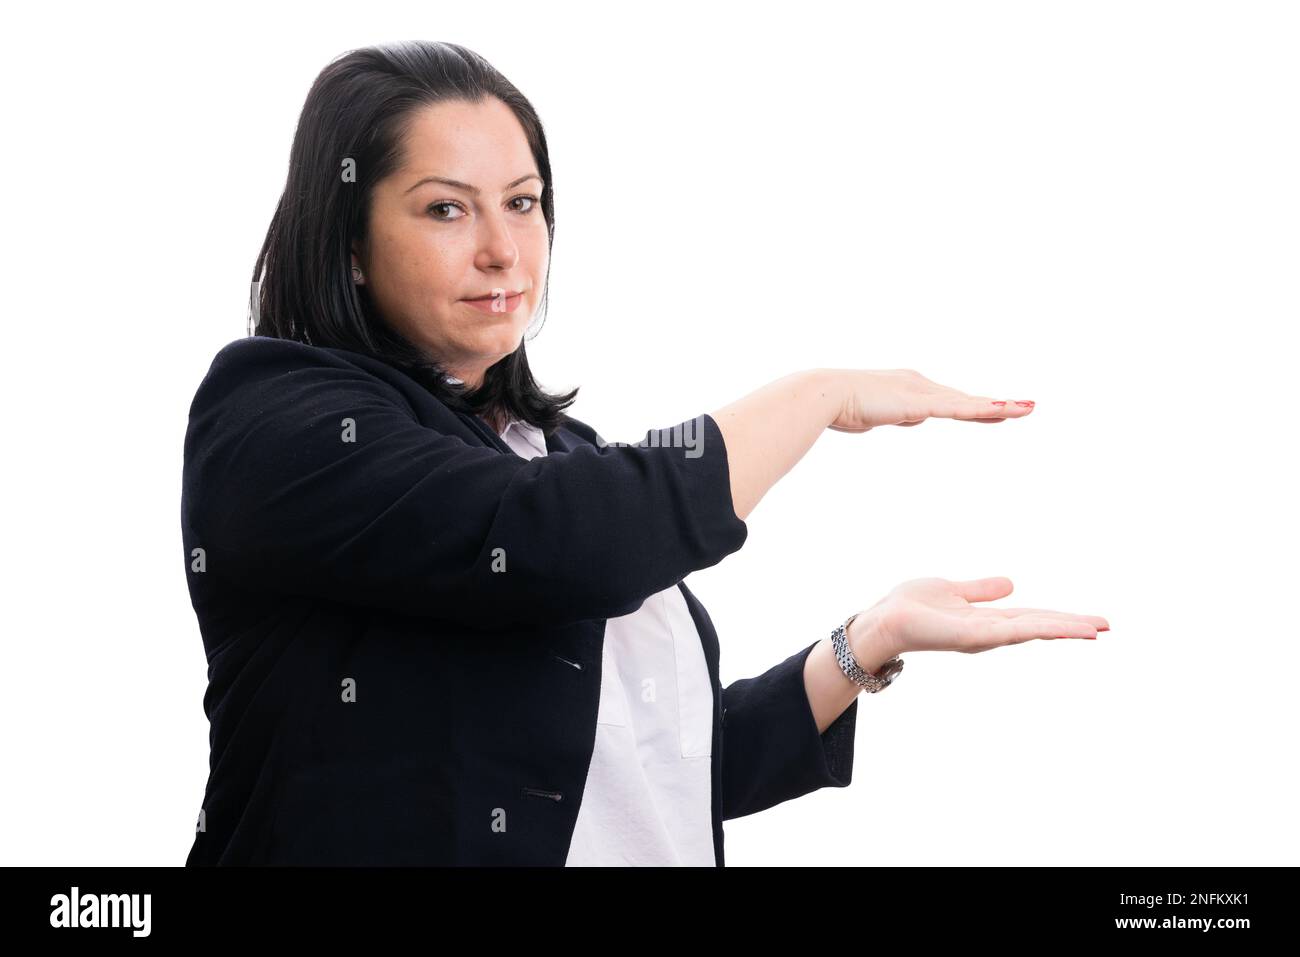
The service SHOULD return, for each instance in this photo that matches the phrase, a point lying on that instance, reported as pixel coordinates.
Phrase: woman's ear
(358, 276)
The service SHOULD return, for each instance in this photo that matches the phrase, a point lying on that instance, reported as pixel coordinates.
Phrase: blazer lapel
(481, 427)
(556, 443)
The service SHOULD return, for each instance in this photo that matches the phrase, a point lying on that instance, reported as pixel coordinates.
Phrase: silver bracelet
(855, 672)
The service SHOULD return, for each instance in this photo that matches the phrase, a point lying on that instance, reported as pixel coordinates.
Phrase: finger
(1100, 623)
(983, 589)
(979, 407)
(1027, 628)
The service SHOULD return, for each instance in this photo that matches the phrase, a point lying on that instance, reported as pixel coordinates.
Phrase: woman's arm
(769, 430)
(308, 473)
(829, 689)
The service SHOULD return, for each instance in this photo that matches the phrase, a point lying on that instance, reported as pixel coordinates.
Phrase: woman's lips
(497, 305)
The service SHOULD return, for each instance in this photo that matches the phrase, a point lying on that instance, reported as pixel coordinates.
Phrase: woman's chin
(506, 342)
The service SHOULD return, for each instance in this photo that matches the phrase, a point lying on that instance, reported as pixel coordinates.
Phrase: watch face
(891, 668)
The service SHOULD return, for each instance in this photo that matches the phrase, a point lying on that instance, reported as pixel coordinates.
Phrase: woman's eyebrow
(474, 190)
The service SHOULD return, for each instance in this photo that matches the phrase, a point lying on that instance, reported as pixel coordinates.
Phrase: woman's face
(434, 242)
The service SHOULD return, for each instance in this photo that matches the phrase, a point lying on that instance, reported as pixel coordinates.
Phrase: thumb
(984, 589)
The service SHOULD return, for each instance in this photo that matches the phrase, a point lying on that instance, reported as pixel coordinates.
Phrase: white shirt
(647, 797)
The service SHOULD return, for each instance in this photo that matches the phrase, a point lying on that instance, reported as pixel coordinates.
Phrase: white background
(1092, 205)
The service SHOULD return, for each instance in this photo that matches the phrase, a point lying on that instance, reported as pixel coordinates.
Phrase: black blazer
(381, 690)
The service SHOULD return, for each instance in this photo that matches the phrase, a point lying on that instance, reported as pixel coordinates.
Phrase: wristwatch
(881, 680)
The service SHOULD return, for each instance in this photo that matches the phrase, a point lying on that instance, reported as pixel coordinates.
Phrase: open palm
(934, 614)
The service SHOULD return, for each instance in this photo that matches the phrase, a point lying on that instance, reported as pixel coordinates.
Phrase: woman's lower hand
(905, 397)
(934, 614)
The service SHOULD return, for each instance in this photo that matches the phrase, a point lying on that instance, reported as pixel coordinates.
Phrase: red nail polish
(1025, 403)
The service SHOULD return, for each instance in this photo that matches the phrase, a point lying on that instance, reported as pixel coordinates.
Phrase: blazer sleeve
(771, 749)
(418, 521)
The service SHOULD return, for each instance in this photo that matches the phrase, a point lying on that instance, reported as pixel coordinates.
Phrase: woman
(445, 622)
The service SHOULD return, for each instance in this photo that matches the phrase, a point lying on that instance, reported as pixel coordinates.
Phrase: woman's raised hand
(934, 614)
(905, 397)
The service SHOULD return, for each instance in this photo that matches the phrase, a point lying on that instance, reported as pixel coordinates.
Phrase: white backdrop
(1092, 205)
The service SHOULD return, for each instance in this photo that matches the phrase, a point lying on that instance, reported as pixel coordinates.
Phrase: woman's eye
(434, 206)
(533, 199)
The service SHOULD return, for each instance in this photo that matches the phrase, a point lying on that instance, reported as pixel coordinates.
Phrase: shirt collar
(531, 433)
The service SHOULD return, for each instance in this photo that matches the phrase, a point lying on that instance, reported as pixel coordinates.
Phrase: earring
(356, 273)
